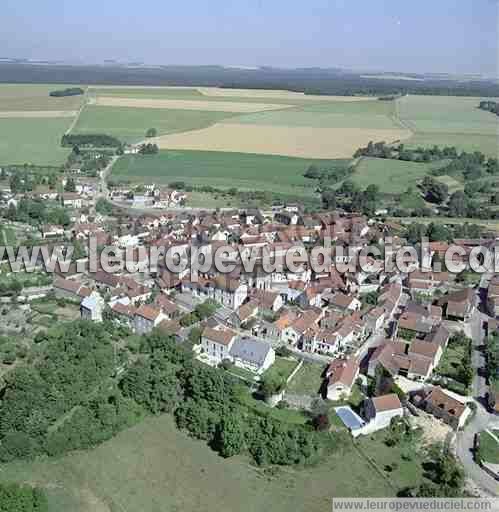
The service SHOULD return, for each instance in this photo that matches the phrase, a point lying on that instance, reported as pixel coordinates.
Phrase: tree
(103, 206)
(458, 204)
(271, 384)
(328, 198)
(16, 498)
(435, 191)
(152, 132)
(230, 435)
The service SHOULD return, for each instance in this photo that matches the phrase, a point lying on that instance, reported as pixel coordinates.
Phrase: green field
(316, 119)
(219, 169)
(308, 380)
(130, 124)
(447, 120)
(35, 141)
(147, 92)
(489, 447)
(392, 176)
(155, 468)
(28, 97)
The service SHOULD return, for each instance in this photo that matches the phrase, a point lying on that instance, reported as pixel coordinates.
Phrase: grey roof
(250, 350)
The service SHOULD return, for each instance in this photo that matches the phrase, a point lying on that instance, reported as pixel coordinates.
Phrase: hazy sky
(457, 36)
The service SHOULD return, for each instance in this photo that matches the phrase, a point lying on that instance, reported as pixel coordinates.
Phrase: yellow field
(37, 114)
(225, 106)
(298, 141)
(269, 93)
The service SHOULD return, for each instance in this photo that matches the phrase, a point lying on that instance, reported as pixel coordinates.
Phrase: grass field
(155, 468)
(447, 120)
(261, 122)
(131, 124)
(308, 380)
(392, 176)
(34, 141)
(223, 170)
(489, 447)
(21, 97)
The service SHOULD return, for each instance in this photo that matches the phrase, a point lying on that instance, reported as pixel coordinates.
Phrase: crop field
(15, 97)
(448, 120)
(154, 467)
(222, 170)
(33, 140)
(185, 104)
(297, 141)
(131, 124)
(261, 122)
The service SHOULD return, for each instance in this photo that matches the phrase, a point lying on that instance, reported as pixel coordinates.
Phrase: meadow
(155, 467)
(222, 170)
(392, 176)
(448, 120)
(34, 97)
(130, 124)
(33, 140)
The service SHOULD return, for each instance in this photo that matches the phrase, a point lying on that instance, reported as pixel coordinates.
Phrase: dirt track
(38, 113)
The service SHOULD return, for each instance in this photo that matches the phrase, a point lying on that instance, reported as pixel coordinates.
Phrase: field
(185, 104)
(221, 170)
(20, 97)
(153, 467)
(298, 141)
(392, 176)
(131, 124)
(447, 120)
(260, 122)
(35, 140)
(308, 380)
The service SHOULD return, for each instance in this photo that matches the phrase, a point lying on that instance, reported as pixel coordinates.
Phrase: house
(375, 319)
(293, 333)
(146, 318)
(252, 354)
(217, 342)
(269, 302)
(493, 296)
(459, 305)
(341, 375)
(70, 289)
(444, 406)
(71, 200)
(379, 411)
(343, 302)
(51, 231)
(415, 361)
(124, 313)
(91, 307)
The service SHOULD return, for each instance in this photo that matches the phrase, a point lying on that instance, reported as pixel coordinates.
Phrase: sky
(447, 36)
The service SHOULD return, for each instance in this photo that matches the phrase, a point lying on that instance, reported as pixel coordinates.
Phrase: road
(482, 418)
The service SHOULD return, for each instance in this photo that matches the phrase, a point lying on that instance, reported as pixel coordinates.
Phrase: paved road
(482, 418)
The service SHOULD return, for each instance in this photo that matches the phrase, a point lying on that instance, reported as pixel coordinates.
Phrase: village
(377, 346)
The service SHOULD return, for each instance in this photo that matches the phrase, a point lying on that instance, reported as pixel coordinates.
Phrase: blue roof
(349, 417)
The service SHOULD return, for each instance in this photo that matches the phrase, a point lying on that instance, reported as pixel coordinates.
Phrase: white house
(379, 411)
(252, 354)
(91, 307)
(217, 342)
(146, 318)
(341, 375)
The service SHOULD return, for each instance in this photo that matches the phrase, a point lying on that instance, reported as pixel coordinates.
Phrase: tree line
(89, 140)
(70, 91)
(489, 106)
(67, 399)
